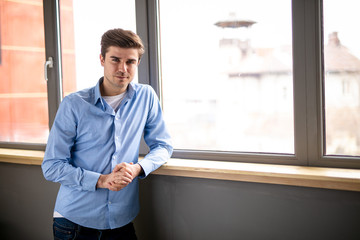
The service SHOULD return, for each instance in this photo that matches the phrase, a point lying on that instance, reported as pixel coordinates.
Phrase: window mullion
(300, 80)
(141, 29)
(147, 29)
(313, 81)
(52, 49)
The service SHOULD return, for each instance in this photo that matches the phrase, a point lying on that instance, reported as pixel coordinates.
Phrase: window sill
(29, 157)
(329, 178)
(317, 177)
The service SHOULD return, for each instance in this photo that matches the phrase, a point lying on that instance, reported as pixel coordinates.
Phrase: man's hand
(121, 176)
(134, 169)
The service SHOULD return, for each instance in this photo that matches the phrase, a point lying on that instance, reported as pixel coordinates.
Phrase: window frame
(307, 81)
(54, 84)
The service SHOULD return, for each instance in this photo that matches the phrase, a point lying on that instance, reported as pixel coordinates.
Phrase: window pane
(227, 74)
(342, 77)
(23, 90)
(81, 40)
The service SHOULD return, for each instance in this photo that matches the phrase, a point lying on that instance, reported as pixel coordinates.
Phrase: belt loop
(77, 231)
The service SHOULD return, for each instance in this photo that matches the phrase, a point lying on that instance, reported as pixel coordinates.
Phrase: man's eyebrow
(130, 59)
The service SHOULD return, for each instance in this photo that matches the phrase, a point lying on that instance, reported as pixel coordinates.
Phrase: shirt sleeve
(57, 164)
(156, 137)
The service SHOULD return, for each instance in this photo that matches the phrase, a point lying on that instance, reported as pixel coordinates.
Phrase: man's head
(121, 38)
(121, 51)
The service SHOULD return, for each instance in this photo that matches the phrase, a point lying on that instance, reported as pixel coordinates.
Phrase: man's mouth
(121, 77)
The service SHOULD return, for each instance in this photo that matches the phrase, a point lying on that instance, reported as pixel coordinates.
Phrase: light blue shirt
(89, 138)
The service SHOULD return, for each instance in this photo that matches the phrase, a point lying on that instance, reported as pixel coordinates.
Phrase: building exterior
(23, 90)
(262, 78)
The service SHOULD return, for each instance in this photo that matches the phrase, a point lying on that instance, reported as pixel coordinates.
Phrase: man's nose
(122, 67)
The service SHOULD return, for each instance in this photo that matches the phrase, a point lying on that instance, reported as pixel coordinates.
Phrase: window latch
(49, 63)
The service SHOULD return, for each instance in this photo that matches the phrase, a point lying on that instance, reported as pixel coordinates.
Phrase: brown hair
(121, 38)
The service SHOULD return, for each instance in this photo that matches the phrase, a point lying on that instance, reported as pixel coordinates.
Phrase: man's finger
(118, 167)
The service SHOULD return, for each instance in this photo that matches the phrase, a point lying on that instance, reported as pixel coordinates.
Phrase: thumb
(117, 168)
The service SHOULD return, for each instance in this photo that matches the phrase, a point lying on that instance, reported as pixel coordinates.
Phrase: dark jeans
(66, 230)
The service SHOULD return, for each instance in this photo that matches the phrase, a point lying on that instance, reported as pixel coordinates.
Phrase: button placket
(117, 138)
(117, 132)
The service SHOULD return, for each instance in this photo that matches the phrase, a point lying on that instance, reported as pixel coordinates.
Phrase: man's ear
(102, 60)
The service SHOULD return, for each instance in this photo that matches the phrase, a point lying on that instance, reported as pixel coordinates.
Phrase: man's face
(120, 66)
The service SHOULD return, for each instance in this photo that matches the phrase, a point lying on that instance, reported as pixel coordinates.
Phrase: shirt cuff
(146, 167)
(90, 180)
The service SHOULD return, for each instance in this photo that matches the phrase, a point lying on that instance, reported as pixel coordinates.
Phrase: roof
(338, 58)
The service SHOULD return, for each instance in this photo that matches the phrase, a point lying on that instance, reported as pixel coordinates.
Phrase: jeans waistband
(92, 230)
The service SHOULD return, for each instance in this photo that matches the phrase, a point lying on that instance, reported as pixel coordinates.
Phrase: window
(23, 90)
(237, 82)
(342, 77)
(214, 95)
(23, 93)
(227, 75)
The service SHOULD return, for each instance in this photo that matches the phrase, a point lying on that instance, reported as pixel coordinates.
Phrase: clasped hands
(120, 177)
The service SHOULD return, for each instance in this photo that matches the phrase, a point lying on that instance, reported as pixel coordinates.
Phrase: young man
(93, 146)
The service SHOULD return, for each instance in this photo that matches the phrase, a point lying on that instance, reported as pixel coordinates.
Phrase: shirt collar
(97, 92)
(130, 91)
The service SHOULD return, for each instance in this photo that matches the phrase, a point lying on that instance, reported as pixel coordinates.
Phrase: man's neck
(110, 92)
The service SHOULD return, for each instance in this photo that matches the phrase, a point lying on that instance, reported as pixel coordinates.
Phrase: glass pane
(227, 74)
(342, 77)
(23, 90)
(81, 30)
